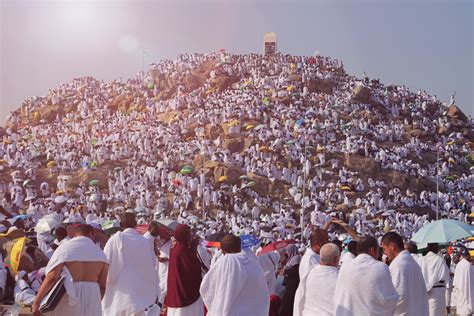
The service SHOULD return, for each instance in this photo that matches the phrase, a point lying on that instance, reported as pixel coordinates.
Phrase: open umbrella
(186, 170)
(222, 178)
(141, 228)
(443, 231)
(168, 224)
(47, 223)
(60, 199)
(51, 164)
(248, 241)
(277, 245)
(94, 183)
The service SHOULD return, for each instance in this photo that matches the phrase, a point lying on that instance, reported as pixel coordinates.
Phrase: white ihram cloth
(195, 309)
(83, 298)
(309, 259)
(464, 286)
(434, 271)
(410, 285)
(364, 287)
(163, 269)
(132, 282)
(235, 286)
(269, 263)
(315, 294)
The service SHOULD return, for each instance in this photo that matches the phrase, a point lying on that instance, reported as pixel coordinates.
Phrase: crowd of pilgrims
(297, 141)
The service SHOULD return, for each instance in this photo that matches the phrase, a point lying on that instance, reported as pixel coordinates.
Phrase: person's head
(60, 233)
(464, 252)
(84, 230)
(329, 255)
(154, 228)
(182, 234)
(433, 247)
(392, 244)
(368, 245)
(230, 244)
(338, 243)
(128, 220)
(352, 247)
(318, 238)
(411, 247)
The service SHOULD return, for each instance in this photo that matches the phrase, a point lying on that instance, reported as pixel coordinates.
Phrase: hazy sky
(423, 44)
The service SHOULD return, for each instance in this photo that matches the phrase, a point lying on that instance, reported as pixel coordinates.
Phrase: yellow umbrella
(51, 164)
(471, 215)
(222, 178)
(346, 188)
(250, 126)
(16, 253)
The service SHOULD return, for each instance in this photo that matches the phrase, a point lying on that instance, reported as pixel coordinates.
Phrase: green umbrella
(107, 224)
(150, 85)
(443, 231)
(94, 183)
(112, 230)
(186, 170)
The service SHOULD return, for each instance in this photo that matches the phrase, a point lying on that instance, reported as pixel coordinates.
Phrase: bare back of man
(86, 271)
(89, 272)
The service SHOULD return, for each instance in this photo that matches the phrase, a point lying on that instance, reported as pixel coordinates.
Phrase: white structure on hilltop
(270, 43)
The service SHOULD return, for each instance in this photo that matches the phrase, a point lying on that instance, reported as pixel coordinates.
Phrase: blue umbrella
(443, 231)
(249, 241)
(299, 122)
(22, 216)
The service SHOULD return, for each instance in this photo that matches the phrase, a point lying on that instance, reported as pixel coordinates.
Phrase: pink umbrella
(277, 245)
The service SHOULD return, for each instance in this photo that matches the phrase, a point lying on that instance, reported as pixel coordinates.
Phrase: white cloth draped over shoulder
(464, 286)
(234, 286)
(315, 294)
(309, 259)
(436, 275)
(408, 281)
(269, 263)
(364, 287)
(132, 282)
(83, 298)
(434, 270)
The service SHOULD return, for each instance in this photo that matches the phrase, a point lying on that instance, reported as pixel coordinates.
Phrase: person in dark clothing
(291, 280)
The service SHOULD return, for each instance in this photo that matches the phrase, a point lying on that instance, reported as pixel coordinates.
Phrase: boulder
(230, 171)
(361, 164)
(361, 94)
(455, 113)
(234, 145)
(320, 86)
(221, 83)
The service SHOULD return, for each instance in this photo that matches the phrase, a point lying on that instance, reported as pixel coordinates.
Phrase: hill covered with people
(249, 134)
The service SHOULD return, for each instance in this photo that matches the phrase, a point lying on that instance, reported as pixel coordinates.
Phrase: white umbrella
(60, 199)
(46, 224)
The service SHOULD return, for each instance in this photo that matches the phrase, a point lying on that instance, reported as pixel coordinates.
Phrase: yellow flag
(16, 253)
